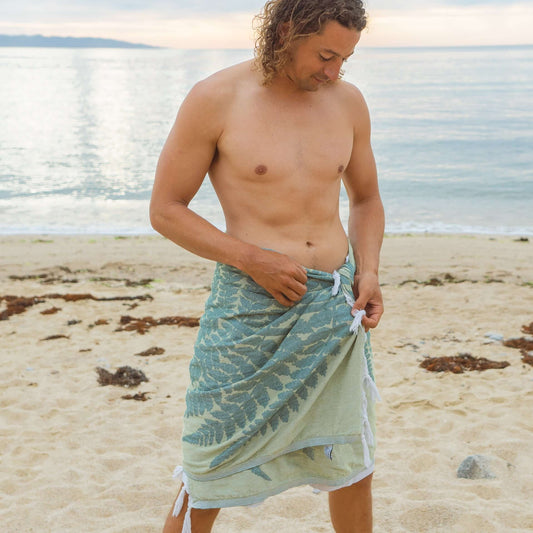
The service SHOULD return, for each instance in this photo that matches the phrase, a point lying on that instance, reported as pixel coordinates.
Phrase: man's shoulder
(223, 85)
(350, 93)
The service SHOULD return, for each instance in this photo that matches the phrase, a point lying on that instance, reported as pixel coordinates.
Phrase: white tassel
(358, 317)
(187, 527)
(356, 324)
(368, 432)
(187, 524)
(336, 283)
(178, 471)
(366, 453)
(372, 389)
(348, 297)
(179, 502)
(367, 437)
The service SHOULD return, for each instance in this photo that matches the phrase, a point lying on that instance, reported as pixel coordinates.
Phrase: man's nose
(332, 71)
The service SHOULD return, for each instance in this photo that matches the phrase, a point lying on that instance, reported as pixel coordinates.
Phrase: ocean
(81, 131)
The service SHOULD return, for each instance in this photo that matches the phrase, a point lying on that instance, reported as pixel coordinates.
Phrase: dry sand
(77, 457)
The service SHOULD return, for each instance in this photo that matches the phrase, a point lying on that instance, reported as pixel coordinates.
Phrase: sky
(228, 24)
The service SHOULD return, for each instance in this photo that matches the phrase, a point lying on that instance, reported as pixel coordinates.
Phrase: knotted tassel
(187, 524)
(357, 319)
(366, 452)
(372, 388)
(179, 502)
(336, 283)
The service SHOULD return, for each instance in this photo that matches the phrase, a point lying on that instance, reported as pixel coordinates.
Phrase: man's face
(317, 60)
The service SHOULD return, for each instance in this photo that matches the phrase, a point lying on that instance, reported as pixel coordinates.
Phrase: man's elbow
(158, 216)
(164, 214)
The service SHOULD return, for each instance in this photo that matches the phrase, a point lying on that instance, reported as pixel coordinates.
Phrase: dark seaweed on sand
(139, 396)
(125, 376)
(141, 325)
(152, 351)
(523, 344)
(459, 363)
(55, 337)
(19, 304)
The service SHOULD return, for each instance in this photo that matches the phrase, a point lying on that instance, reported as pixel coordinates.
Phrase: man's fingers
(360, 303)
(369, 322)
(373, 313)
(300, 275)
(296, 287)
(283, 300)
(293, 296)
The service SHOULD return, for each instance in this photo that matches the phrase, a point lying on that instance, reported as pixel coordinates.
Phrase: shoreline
(151, 233)
(78, 451)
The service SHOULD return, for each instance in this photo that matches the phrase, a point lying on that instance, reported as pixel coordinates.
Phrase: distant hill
(66, 42)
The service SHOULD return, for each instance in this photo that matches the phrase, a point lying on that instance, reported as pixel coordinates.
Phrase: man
(281, 390)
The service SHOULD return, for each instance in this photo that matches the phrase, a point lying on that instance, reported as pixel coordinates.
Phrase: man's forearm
(190, 231)
(365, 228)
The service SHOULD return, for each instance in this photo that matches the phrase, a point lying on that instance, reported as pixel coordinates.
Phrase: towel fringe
(179, 502)
(178, 472)
(178, 506)
(336, 283)
(357, 319)
(373, 391)
(369, 387)
(366, 452)
(187, 525)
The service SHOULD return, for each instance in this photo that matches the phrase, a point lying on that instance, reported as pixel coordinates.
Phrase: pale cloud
(209, 24)
(230, 30)
(451, 26)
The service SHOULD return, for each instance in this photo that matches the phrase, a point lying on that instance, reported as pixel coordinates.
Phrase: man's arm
(367, 221)
(181, 169)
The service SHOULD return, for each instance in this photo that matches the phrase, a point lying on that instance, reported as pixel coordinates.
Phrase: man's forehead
(337, 40)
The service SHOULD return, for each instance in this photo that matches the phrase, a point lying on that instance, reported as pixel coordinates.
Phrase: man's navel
(340, 170)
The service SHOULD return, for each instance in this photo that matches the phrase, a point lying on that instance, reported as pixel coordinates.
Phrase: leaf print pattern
(258, 364)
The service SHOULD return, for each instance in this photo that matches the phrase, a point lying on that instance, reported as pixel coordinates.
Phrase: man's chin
(313, 85)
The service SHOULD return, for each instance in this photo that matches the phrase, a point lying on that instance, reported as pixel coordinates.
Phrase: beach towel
(279, 396)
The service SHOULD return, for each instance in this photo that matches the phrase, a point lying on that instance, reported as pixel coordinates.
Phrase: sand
(77, 457)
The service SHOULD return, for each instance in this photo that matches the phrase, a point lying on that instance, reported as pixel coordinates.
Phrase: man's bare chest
(281, 141)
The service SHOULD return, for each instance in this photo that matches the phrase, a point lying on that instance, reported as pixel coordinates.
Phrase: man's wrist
(365, 272)
(244, 256)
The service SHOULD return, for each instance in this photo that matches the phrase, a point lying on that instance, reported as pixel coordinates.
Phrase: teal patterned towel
(279, 396)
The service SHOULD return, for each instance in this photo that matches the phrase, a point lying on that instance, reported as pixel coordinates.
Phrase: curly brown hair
(302, 18)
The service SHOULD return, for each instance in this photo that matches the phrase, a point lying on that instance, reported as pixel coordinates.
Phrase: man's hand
(368, 297)
(278, 274)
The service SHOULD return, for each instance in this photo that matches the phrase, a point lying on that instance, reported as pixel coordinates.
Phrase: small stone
(475, 467)
(497, 337)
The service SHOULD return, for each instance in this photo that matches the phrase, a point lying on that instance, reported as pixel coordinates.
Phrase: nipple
(260, 170)
(340, 170)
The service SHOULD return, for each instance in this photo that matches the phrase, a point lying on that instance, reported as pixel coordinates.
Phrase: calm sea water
(81, 131)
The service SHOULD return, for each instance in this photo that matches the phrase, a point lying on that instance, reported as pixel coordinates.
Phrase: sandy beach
(77, 456)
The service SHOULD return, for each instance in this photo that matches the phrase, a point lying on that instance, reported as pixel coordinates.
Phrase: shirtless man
(276, 145)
